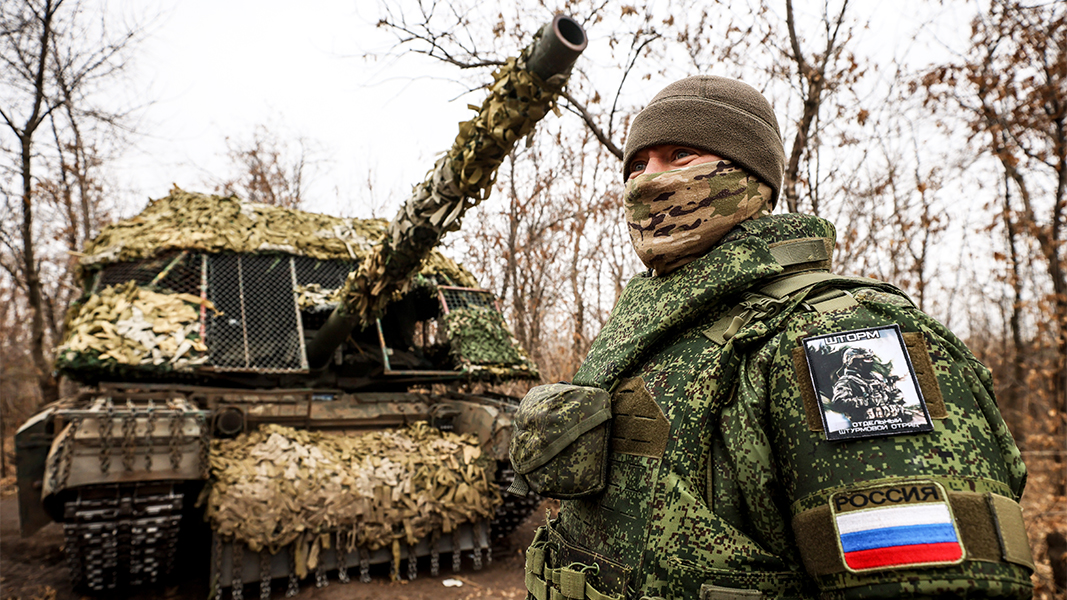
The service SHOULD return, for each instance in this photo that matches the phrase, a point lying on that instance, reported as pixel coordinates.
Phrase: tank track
(118, 536)
(234, 564)
(515, 510)
(121, 535)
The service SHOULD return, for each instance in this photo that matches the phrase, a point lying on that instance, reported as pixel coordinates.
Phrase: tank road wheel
(514, 510)
(121, 535)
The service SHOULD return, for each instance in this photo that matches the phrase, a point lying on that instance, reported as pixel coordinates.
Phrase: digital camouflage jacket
(721, 483)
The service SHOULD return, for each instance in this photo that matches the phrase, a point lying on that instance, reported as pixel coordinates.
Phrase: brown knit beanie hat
(716, 114)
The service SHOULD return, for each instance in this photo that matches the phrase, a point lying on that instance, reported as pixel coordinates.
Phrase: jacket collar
(654, 308)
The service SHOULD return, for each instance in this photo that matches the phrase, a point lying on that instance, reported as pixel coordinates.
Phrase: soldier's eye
(638, 165)
(682, 153)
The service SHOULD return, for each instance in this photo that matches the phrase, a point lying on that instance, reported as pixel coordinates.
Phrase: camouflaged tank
(293, 379)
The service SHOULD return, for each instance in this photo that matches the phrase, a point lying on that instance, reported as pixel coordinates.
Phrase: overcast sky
(216, 69)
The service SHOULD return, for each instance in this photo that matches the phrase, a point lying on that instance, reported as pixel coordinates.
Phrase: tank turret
(295, 379)
(524, 91)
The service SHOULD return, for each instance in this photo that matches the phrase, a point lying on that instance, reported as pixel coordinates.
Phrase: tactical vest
(718, 477)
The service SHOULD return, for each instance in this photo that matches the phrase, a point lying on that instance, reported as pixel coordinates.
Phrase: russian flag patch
(903, 525)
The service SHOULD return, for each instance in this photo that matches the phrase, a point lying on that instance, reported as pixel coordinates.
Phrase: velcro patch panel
(907, 525)
(910, 524)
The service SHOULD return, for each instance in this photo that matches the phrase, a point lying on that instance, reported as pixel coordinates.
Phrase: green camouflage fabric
(742, 467)
(560, 444)
(675, 216)
(481, 344)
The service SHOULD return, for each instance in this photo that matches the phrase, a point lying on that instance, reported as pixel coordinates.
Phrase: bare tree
(1011, 87)
(270, 168)
(53, 59)
(817, 76)
(28, 40)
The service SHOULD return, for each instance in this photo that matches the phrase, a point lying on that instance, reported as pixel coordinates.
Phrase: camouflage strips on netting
(460, 180)
(129, 325)
(215, 224)
(315, 297)
(481, 343)
(272, 486)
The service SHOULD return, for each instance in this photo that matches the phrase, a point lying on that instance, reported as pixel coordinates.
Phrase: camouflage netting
(129, 325)
(276, 486)
(482, 344)
(460, 180)
(315, 297)
(164, 335)
(191, 221)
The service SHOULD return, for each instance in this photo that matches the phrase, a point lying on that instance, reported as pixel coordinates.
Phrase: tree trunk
(814, 84)
(47, 383)
(1017, 355)
(32, 275)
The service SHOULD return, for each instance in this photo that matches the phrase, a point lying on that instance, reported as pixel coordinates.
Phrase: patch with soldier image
(865, 384)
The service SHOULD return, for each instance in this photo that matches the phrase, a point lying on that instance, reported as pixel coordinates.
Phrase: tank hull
(121, 467)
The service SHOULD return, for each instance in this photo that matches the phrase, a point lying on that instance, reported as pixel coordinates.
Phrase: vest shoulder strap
(771, 298)
(791, 284)
(804, 254)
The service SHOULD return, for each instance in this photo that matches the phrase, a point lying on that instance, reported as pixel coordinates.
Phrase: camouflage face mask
(676, 216)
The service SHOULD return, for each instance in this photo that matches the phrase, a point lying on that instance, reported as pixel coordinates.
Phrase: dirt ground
(34, 569)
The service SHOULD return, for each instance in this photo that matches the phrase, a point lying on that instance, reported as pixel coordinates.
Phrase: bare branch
(794, 40)
(634, 55)
(590, 122)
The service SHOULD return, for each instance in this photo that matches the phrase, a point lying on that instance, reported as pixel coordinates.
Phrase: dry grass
(44, 592)
(1045, 506)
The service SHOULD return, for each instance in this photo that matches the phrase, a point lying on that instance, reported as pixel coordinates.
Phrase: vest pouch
(559, 570)
(559, 447)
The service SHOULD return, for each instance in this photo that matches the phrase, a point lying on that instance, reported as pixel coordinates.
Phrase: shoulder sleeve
(921, 514)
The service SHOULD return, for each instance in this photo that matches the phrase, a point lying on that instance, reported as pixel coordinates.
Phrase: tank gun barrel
(525, 90)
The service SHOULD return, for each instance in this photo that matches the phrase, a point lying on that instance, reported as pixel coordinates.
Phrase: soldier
(861, 393)
(718, 480)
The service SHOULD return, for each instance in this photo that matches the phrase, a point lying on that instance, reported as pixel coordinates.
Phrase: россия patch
(903, 525)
